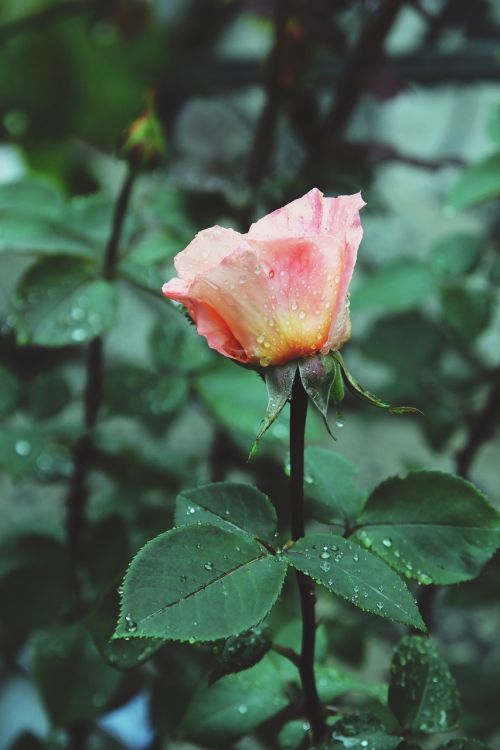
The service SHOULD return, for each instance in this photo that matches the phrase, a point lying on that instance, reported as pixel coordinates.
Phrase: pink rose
(279, 292)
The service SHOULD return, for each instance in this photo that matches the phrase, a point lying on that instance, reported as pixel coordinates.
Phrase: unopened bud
(144, 145)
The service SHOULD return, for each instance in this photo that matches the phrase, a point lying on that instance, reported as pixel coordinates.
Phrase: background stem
(312, 703)
(76, 499)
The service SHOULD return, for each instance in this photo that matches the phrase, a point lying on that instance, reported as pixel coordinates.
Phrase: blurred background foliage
(259, 101)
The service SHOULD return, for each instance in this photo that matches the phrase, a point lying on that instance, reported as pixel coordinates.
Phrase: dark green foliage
(241, 652)
(74, 681)
(422, 693)
(123, 432)
(356, 575)
(198, 583)
(230, 506)
(433, 527)
(329, 487)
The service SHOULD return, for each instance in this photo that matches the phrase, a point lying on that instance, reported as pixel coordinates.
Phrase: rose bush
(280, 291)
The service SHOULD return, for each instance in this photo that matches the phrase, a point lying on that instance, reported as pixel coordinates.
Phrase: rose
(279, 292)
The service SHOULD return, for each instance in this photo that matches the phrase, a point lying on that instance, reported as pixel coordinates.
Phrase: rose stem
(77, 496)
(298, 413)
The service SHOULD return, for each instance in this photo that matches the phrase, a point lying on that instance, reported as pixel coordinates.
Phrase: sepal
(358, 390)
(321, 379)
(279, 381)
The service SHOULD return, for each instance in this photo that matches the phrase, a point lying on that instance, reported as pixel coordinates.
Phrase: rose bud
(143, 144)
(279, 292)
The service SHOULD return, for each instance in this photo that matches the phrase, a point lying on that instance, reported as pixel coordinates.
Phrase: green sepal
(358, 390)
(279, 381)
(319, 374)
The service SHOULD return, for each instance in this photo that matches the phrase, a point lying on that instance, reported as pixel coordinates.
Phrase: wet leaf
(422, 693)
(198, 583)
(430, 526)
(356, 575)
(59, 301)
(230, 505)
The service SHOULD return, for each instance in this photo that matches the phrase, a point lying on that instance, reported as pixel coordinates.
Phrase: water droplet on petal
(242, 709)
(209, 566)
(387, 542)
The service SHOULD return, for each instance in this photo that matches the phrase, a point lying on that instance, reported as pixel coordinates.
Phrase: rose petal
(207, 250)
(208, 321)
(277, 300)
(342, 214)
(300, 217)
(279, 292)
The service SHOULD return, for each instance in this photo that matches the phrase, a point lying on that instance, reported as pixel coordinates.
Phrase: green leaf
(478, 183)
(175, 345)
(142, 393)
(397, 286)
(35, 586)
(361, 742)
(431, 526)
(241, 652)
(494, 123)
(118, 652)
(47, 395)
(20, 449)
(333, 683)
(235, 396)
(293, 734)
(356, 575)
(9, 391)
(34, 221)
(235, 705)
(31, 197)
(455, 256)
(279, 381)
(230, 505)
(74, 682)
(27, 236)
(359, 731)
(463, 743)
(387, 342)
(329, 487)
(358, 390)
(422, 693)
(467, 311)
(318, 375)
(198, 583)
(59, 301)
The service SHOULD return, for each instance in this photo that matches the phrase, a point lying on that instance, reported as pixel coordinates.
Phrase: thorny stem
(312, 702)
(76, 499)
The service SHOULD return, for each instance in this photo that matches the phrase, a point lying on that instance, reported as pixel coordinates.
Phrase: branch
(77, 496)
(263, 145)
(366, 55)
(380, 153)
(481, 428)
